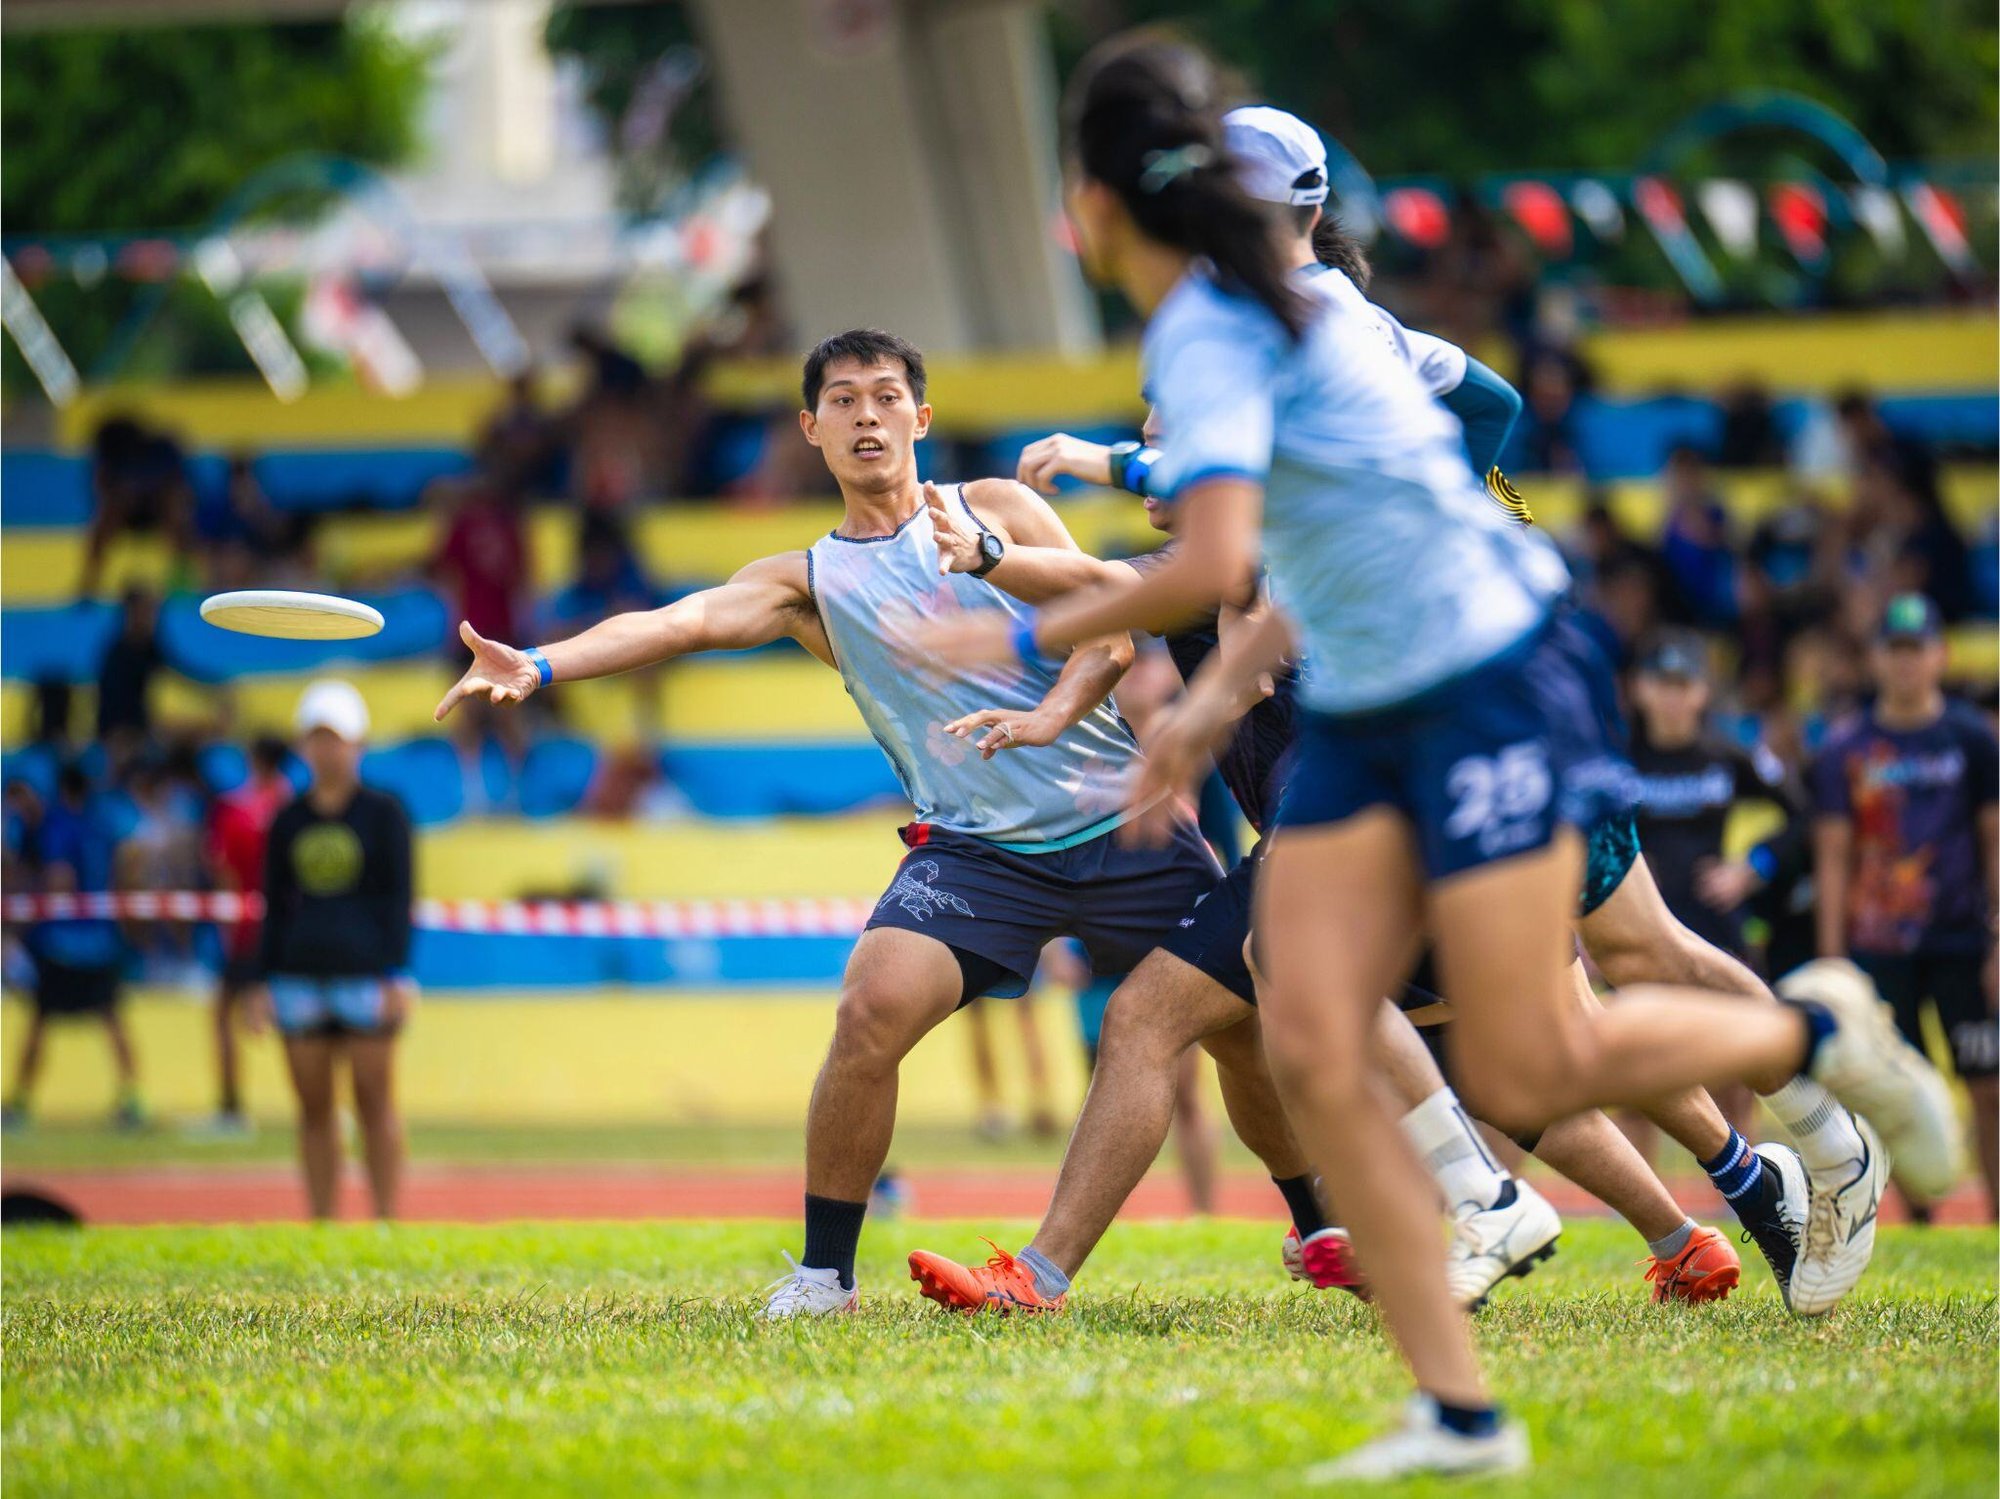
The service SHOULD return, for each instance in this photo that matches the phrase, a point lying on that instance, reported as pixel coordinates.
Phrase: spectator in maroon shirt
(484, 565)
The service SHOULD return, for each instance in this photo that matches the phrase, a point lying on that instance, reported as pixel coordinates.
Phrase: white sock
(1454, 1154)
(1822, 1130)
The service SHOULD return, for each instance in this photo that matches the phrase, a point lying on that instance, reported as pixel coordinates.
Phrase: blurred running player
(239, 827)
(1627, 928)
(1446, 769)
(334, 960)
(1005, 852)
(1906, 837)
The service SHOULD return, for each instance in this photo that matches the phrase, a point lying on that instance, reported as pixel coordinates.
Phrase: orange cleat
(1002, 1284)
(1706, 1270)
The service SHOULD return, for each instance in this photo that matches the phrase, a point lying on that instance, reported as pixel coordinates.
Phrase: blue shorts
(1483, 768)
(996, 909)
(1210, 938)
(330, 1007)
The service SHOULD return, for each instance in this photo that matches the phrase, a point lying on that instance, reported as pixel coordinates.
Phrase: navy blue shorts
(1485, 768)
(1210, 938)
(996, 910)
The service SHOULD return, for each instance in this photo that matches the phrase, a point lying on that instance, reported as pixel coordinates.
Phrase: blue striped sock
(1736, 1169)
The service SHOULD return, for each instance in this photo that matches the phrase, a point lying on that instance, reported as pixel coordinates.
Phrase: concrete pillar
(909, 149)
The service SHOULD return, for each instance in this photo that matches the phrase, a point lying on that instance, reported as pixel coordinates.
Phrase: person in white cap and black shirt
(336, 949)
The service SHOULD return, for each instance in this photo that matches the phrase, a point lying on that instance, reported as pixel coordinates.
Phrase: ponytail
(1333, 246)
(1144, 117)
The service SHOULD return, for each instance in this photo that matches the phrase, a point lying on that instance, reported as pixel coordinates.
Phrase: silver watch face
(989, 548)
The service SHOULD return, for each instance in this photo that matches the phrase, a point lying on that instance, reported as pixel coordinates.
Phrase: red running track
(438, 1193)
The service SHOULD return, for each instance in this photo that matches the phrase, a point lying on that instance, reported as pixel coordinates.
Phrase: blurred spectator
(1905, 842)
(1750, 437)
(990, 1119)
(20, 847)
(334, 959)
(629, 782)
(521, 438)
(239, 827)
(76, 962)
(1624, 600)
(616, 452)
(483, 562)
(1696, 545)
(138, 483)
(125, 678)
(609, 579)
(161, 850)
(245, 539)
(1550, 386)
(1867, 438)
(1785, 581)
(53, 713)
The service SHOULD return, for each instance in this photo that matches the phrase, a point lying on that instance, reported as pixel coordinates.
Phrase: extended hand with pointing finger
(1050, 458)
(501, 673)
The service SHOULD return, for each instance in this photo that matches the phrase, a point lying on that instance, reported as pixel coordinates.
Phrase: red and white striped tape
(540, 918)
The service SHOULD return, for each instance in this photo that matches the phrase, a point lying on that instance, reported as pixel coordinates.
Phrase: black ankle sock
(1469, 1420)
(833, 1229)
(1819, 1027)
(1760, 1203)
(1307, 1216)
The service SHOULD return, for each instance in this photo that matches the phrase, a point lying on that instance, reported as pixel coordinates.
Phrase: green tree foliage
(644, 78)
(153, 128)
(1449, 87)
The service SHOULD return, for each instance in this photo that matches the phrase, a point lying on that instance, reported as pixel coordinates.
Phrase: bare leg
(1041, 1111)
(1163, 1007)
(310, 1059)
(122, 1057)
(899, 986)
(28, 1065)
(228, 1059)
(1250, 1101)
(1194, 1137)
(990, 1118)
(1985, 1093)
(372, 1061)
(1340, 907)
(1590, 1150)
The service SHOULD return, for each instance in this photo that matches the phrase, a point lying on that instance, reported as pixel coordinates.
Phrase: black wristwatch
(991, 550)
(1116, 457)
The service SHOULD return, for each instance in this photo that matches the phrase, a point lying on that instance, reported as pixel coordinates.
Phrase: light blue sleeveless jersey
(876, 592)
(1398, 569)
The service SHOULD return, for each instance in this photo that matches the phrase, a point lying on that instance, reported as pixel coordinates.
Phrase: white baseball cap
(333, 704)
(1272, 151)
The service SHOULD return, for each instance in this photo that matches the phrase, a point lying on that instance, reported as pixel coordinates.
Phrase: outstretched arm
(767, 600)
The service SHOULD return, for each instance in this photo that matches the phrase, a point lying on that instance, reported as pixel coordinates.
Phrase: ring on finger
(1007, 732)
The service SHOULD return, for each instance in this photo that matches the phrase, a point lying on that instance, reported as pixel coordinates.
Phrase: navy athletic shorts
(1210, 938)
(1955, 985)
(1484, 768)
(996, 910)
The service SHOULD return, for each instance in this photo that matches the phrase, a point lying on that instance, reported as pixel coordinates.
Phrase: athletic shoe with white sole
(1868, 1066)
(1840, 1227)
(1779, 1235)
(1324, 1261)
(807, 1293)
(1424, 1444)
(1489, 1244)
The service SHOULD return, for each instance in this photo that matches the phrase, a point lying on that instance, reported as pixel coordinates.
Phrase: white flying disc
(287, 615)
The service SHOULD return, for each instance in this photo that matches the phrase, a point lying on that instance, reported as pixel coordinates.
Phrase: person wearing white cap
(336, 947)
(1624, 922)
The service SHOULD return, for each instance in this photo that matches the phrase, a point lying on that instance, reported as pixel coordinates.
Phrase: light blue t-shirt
(1398, 569)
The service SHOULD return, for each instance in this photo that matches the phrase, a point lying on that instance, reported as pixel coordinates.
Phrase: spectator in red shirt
(239, 826)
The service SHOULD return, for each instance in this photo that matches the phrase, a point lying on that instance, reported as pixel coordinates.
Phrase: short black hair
(863, 346)
(270, 754)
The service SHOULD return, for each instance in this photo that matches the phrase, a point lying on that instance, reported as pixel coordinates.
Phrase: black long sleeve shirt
(338, 890)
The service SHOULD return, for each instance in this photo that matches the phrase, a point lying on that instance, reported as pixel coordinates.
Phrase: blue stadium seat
(771, 780)
(424, 774)
(556, 776)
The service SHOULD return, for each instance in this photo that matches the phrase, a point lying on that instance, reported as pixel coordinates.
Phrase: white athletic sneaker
(1780, 1236)
(1868, 1066)
(807, 1293)
(1490, 1244)
(1423, 1444)
(1840, 1228)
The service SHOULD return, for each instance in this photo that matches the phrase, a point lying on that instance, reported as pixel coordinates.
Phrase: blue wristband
(1764, 862)
(1138, 467)
(1024, 641)
(543, 672)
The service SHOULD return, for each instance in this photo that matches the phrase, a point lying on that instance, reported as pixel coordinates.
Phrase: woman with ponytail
(1449, 752)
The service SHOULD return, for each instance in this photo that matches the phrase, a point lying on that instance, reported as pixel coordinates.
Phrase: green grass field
(569, 1359)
